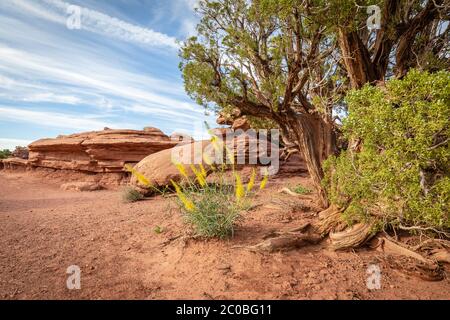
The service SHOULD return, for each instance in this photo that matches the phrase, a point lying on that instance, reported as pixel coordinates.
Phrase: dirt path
(43, 230)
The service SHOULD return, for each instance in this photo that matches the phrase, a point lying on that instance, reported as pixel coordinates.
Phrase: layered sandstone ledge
(105, 151)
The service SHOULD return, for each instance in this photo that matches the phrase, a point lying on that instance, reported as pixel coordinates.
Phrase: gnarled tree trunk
(356, 58)
(316, 140)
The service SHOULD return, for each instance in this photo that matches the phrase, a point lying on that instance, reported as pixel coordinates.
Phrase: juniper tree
(292, 61)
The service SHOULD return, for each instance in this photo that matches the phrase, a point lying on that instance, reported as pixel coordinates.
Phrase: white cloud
(58, 120)
(43, 62)
(97, 22)
(54, 98)
(106, 80)
(189, 27)
(11, 144)
(187, 118)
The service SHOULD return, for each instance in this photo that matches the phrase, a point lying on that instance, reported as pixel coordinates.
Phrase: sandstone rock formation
(241, 124)
(159, 168)
(13, 164)
(181, 137)
(98, 151)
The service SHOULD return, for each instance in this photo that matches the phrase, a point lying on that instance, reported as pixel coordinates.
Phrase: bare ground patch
(43, 230)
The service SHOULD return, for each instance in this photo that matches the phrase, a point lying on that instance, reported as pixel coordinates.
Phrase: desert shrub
(212, 209)
(399, 173)
(158, 229)
(5, 153)
(299, 189)
(131, 195)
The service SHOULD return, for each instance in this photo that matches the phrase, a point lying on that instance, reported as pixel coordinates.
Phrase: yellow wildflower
(203, 170)
(182, 170)
(198, 174)
(217, 143)
(264, 180)
(251, 183)
(141, 178)
(188, 204)
(229, 154)
(240, 192)
(207, 159)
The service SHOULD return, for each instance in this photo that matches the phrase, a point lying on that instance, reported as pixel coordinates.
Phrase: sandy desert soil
(43, 230)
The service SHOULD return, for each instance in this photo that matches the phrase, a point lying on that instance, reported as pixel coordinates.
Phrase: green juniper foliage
(5, 154)
(400, 170)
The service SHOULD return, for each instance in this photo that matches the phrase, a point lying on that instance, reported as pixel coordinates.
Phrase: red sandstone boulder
(159, 168)
(241, 124)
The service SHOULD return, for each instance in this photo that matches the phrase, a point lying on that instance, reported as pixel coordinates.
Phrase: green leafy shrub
(5, 153)
(158, 229)
(301, 189)
(400, 170)
(131, 195)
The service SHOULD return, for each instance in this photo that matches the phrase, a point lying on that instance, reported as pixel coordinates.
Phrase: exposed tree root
(330, 219)
(288, 205)
(285, 240)
(432, 244)
(410, 262)
(393, 247)
(302, 228)
(441, 255)
(292, 193)
(351, 237)
(435, 249)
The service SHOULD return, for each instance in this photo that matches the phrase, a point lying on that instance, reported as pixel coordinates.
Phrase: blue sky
(120, 70)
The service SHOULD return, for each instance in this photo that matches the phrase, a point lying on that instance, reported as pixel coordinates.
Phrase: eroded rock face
(98, 151)
(181, 137)
(13, 164)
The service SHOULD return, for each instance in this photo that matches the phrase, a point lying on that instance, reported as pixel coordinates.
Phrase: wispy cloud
(11, 144)
(54, 98)
(58, 120)
(97, 22)
(107, 80)
(113, 72)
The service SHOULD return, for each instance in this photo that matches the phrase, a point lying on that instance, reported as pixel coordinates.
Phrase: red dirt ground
(43, 230)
